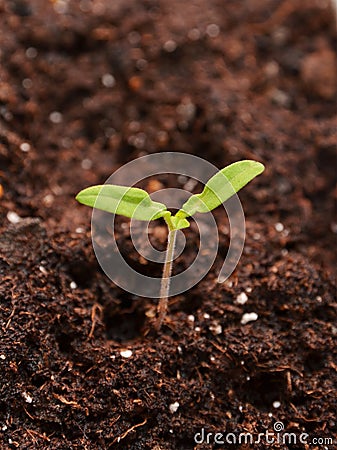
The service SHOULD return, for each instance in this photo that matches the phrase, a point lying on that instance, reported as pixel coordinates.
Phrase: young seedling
(137, 204)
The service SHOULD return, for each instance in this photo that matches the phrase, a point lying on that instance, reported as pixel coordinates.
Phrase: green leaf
(179, 223)
(122, 200)
(221, 187)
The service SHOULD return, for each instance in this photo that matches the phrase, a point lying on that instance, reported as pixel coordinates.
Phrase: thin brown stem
(166, 278)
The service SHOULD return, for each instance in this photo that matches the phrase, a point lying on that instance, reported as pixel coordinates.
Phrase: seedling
(137, 204)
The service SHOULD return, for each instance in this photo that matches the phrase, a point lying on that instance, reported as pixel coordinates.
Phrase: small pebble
(43, 270)
(191, 318)
(2, 356)
(79, 230)
(279, 227)
(55, 117)
(216, 329)
(141, 63)
(27, 397)
(108, 80)
(213, 30)
(249, 317)
(194, 34)
(48, 199)
(4, 428)
(206, 316)
(31, 52)
(25, 147)
(134, 37)
(126, 353)
(174, 407)
(276, 404)
(170, 46)
(86, 164)
(242, 298)
(60, 6)
(73, 285)
(27, 83)
(13, 217)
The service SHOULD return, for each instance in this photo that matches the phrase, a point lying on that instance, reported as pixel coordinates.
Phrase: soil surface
(86, 86)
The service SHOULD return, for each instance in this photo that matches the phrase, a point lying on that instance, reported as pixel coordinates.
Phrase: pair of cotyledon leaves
(137, 204)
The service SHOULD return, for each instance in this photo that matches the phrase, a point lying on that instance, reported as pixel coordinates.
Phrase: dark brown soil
(262, 86)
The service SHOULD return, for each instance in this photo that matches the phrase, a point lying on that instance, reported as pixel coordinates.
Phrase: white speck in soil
(2, 356)
(27, 397)
(190, 185)
(213, 30)
(170, 46)
(174, 407)
(27, 83)
(276, 404)
(249, 317)
(194, 34)
(55, 117)
(4, 428)
(206, 316)
(13, 217)
(31, 52)
(86, 164)
(191, 318)
(240, 408)
(79, 230)
(108, 80)
(48, 199)
(73, 285)
(215, 329)
(180, 350)
(279, 227)
(242, 298)
(197, 329)
(134, 37)
(25, 147)
(60, 6)
(141, 63)
(43, 270)
(126, 353)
